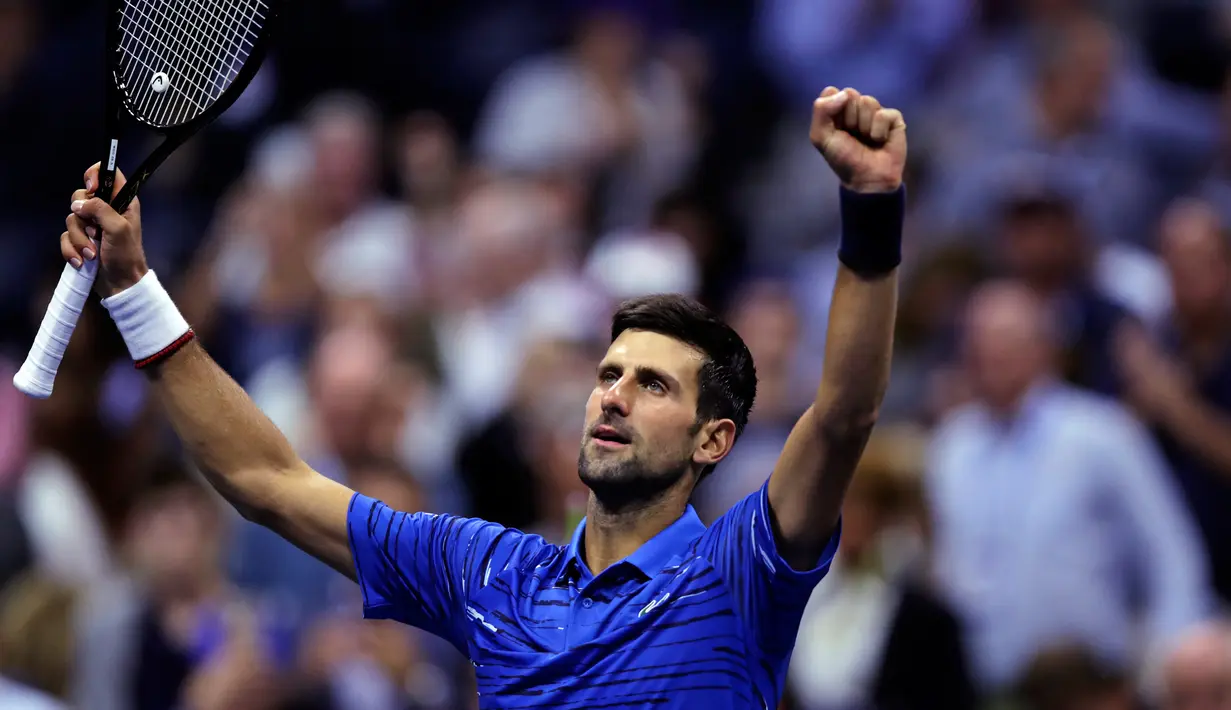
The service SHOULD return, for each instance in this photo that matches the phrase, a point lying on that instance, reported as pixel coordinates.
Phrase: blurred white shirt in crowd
(65, 530)
(547, 115)
(14, 696)
(1060, 524)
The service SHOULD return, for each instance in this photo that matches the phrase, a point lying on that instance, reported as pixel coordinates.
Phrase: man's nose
(615, 399)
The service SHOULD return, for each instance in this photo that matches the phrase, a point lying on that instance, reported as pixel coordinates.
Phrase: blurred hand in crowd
(1161, 385)
(238, 676)
(1197, 672)
(1156, 385)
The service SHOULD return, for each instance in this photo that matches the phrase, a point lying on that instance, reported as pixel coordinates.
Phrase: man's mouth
(609, 437)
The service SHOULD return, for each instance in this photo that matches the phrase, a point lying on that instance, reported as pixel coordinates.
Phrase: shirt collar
(651, 557)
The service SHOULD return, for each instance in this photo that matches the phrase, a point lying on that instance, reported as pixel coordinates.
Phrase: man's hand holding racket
(172, 68)
(122, 256)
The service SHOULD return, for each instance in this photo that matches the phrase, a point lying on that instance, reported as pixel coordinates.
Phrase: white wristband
(147, 318)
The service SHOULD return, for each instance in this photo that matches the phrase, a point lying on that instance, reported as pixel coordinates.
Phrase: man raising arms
(646, 607)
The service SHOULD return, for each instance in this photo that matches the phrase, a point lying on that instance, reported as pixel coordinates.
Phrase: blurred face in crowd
(768, 322)
(1194, 249)
(610, 43)
(428, 160)
(348, 370)
(176, 538)
(642, 436)
(344, 144)
(504, 231)
(1197, 676)
(1077, 74)
(865, 514)
(1007, 342)
(1043, 247)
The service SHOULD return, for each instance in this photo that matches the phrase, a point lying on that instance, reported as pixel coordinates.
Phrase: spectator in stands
(55, 511)
(1055, 516)
(764, 315)
(606, 112)
(1054, 119)
(433, 177)
(515, 468)
(174, 631)
(36, 643)
(874, 634)
(1182, 386)
(1197, 671)
(924, 383)
(1044, 245)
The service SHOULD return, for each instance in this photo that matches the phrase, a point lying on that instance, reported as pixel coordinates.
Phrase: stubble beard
(626, 481)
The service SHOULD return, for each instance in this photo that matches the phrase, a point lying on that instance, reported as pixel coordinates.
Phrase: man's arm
(250, 462)
(234, 444)
(866, 146)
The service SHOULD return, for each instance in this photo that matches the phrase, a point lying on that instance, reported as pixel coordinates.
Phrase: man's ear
(713, 442)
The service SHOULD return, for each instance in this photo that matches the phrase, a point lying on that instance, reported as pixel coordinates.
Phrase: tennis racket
(175, 66)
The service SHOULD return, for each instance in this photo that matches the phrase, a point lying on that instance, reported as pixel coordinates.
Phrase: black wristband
(871, 243)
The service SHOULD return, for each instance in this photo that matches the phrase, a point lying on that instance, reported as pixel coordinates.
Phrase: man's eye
(655, 386)
(608, 377)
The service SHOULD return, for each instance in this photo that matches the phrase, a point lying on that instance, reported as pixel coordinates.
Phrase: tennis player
(646, 607)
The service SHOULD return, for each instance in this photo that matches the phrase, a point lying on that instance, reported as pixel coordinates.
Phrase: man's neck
(1007, 410)
(610, 536)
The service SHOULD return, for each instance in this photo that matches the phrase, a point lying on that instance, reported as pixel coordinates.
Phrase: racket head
(177, 65)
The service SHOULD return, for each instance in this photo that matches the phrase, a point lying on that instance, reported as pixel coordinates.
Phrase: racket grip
(37, 375)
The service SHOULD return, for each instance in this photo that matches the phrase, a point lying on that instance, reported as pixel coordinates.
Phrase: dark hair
(727, 380)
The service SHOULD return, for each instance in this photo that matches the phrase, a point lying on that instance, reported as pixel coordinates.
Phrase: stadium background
(405, 239)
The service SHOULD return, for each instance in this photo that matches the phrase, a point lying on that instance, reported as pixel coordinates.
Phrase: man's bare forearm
(249, 461)
(233, 443)
(824, 448)
(858, 350)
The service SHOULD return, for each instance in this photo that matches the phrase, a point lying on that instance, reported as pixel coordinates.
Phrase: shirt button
(587, 602)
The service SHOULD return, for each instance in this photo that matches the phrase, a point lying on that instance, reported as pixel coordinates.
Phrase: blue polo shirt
(696, 618)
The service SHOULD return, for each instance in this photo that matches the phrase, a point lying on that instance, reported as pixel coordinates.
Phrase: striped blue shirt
(696, 618)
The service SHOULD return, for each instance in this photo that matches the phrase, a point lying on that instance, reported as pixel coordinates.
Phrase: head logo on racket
(160, 83)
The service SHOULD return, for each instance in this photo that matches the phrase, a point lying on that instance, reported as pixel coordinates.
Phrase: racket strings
(177, 57)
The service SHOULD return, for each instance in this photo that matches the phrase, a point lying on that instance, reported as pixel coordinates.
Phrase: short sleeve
(768, 593)
(420, 568)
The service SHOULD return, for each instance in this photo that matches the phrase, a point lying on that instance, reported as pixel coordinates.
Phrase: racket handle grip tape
(37, 375)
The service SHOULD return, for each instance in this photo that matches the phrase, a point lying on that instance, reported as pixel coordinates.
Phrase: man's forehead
(647, 349)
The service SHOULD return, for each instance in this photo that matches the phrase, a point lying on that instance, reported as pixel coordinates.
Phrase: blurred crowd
(405, 241)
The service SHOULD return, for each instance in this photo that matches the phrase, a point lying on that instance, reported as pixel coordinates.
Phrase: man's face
(641, 435)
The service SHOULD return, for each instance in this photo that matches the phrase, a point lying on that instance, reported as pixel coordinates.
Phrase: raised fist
(864, 143)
